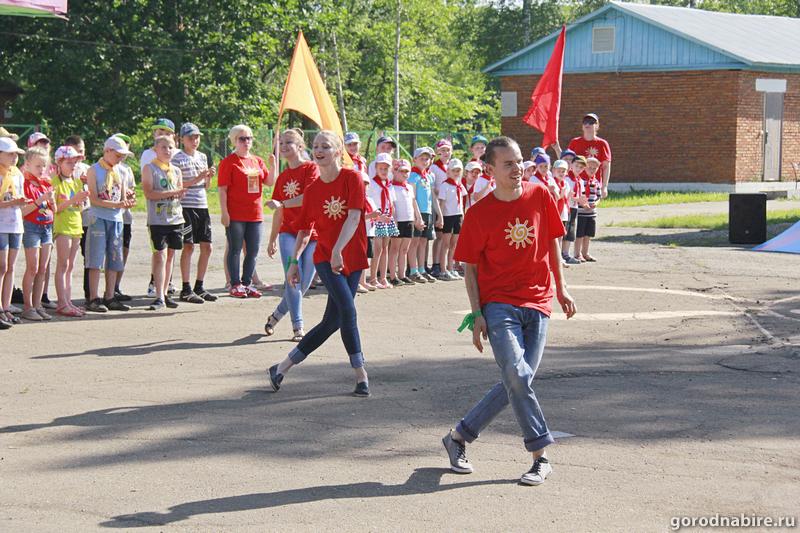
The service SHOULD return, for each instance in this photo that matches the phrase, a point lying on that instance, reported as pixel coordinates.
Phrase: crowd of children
(414, 213)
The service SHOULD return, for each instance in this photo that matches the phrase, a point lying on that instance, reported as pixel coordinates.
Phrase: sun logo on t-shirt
(334, 208)
(519, 234)
(291, 189)
(592, 151)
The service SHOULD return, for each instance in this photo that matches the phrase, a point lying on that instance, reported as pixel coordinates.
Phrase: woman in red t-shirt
(241, 178)
(334, 206)
(292, 183)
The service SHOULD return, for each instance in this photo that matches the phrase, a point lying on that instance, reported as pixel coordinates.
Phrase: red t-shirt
(510, 243)
(33, 188)
(325, 208)
(598, 148)
(244, 179)
(292, 182)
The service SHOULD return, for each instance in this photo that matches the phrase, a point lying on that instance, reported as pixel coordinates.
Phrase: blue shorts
(104, 245)
(10, 240)
(36, 235)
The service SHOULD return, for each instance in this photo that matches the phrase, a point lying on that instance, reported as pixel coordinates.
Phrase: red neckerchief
(455, 184)
(421, 173)
(441, 165)
(590, 180)
(403, 184)
(386, 196)
(359, 162)
(469, 190)
(575, 183)
(541, 178)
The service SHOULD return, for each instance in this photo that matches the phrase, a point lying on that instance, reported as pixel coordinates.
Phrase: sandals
(269, 327)
(298, 335)
(69, 311)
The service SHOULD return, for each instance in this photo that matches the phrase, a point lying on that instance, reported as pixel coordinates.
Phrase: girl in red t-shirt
(334, 206)
(292, 183)
(241, 178)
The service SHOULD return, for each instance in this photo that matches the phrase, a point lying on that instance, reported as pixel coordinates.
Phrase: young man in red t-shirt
(510, 245)
(590, 145)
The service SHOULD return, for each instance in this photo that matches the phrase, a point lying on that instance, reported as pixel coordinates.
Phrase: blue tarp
(788, 241)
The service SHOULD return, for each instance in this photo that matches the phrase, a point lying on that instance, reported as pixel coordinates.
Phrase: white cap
(472, 165)
(36, 137)
(118, 145)
(561, 164)
(384, 158)
(454, 163)
(7, 144)
(528, 164)
(423, 150)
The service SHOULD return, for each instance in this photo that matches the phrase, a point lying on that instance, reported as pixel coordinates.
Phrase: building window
(508, 104)
(602, 39)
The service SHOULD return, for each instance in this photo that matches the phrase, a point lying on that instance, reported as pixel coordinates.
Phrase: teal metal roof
(662, 38)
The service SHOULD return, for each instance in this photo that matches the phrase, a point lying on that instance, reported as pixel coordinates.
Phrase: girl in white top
(451, 197)
(380, 191)
(12, 204)
(407, 217)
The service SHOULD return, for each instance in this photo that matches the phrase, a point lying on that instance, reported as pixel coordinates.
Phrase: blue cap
(537, 150)
(567, 152)
(164, 124)
(189, 129)
(351, 137)
(542, 158)
(478, 139)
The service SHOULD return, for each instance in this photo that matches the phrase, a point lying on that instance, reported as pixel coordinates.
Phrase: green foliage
(644, 197)
(711, 222)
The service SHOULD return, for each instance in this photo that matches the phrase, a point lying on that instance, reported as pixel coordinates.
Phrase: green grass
(643, 197)
(710, 222)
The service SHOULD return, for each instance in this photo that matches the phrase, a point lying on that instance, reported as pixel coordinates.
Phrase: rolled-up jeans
(517, 336)
(292, 301)
(249, 233)
(340, 314)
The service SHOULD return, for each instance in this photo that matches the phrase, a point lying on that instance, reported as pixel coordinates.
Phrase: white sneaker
(455, 275)
(457, 452)
(171, 288)
(538, 473)
(151, 290)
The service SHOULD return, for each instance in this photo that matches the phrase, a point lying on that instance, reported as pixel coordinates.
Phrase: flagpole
(283, 96)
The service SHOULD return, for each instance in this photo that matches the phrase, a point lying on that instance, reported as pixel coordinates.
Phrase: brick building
(688, 99)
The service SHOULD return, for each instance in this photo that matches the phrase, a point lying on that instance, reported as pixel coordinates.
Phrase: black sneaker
(538, 473)
(275, 379)
(97, 306)
(408, 281)
(430, 278)
(207, 296)
(4, 324)
(172, 304)
(191, 297)
(115, 305)
(457, 452)
(395, 282)
(157, 304)
(362, 390)
(121, 297)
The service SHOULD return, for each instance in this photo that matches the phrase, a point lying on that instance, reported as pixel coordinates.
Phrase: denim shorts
(10, 240)
(36, 235)
(104, 245)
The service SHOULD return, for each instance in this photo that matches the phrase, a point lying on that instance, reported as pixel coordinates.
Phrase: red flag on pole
(546, 96)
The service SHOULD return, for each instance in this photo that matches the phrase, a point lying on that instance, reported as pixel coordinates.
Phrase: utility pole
(397, 70)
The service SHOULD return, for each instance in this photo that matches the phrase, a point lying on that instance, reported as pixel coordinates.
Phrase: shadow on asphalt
(421, 481)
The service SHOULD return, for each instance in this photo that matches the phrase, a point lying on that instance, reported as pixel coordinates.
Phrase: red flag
(546, 96)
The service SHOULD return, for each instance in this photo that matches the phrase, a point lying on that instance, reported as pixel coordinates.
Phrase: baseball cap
(443, 142)
(592, 160)
(36, 137)
(384, 158)
(579, 159)
(351, 137)
(7, 144)
(472, 165)
(591, 116)
(5, 133)
(423, 150)
(386, 139)
(478, 139)
(187, 128)
(164, 124)
(542, 158)
(127, 140)
(67, 152)
(454, 163)
(403, 164)
(537, 150)
(568, 152)
(527, 164)
(561, 164)
(117, 144)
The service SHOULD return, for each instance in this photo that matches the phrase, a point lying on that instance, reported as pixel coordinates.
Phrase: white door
(773, 129)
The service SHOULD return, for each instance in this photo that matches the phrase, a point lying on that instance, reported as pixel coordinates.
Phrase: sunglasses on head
(245, 139)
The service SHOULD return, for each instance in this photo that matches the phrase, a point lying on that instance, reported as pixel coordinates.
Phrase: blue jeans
(292, 301)
(237, 233)
(517, 336)
(340, 314)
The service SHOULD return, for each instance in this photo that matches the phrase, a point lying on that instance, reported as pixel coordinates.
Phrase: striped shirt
(191, 167)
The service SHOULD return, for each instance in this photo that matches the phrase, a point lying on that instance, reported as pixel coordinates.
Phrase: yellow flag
(305, 92)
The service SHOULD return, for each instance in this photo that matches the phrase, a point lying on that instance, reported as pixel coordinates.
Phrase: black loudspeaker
(747, 218)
